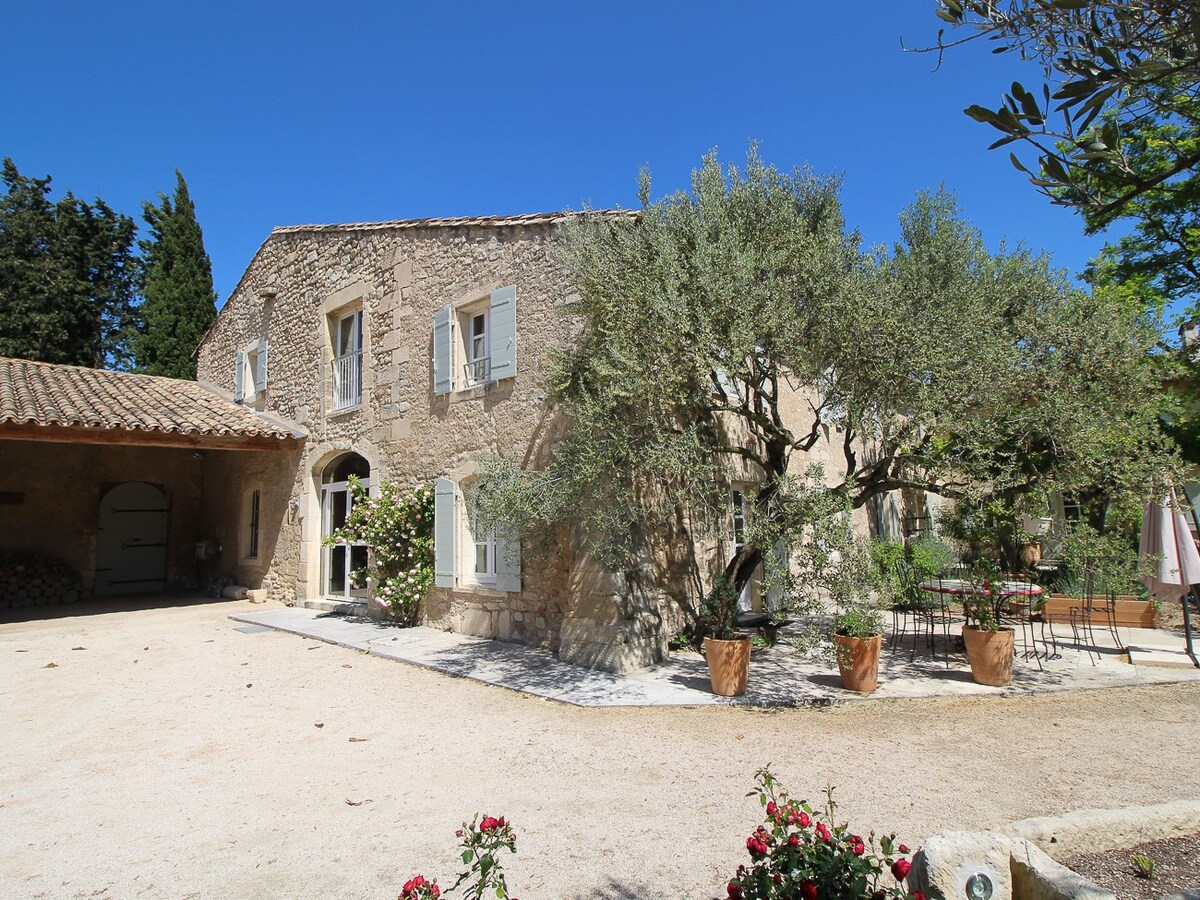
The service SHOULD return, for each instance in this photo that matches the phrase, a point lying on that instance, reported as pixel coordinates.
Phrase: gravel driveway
(166, 754)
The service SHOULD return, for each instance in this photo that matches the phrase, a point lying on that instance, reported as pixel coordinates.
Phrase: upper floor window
(250, 372)
(476, 342)
(347, 360)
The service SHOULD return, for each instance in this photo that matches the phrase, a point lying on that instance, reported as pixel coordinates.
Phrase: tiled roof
(545, 218)
(36, 393)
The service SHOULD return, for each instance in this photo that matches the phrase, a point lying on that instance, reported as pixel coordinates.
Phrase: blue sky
(300, 112)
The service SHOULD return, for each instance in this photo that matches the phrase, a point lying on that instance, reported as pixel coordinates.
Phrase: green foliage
(1143, 865)
(1096, 563)
(719, 610)
(901, 568)
(398, 527)
(180, 303)
(801, 852)
(66, 276)
(1115, 119)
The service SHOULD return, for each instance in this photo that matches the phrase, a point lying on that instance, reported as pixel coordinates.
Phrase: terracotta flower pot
(858, 662)
(728, 665)
(990, 654)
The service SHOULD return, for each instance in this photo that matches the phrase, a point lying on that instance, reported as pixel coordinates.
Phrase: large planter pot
(728, 665)
(858, 662)
(1128, 612)
(990, 654)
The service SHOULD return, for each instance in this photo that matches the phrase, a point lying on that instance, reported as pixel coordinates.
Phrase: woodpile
(30, 580)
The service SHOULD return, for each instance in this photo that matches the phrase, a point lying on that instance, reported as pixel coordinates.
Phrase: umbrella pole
(1187, 625)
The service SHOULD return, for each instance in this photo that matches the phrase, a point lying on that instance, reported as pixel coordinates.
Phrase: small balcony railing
(478, 370)
(347, 380)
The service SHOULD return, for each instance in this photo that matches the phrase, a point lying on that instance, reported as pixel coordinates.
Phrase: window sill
(344, 411)
(483, 590)
(476, 391)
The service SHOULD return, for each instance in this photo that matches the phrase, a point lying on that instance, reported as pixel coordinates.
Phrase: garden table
(1019, 594)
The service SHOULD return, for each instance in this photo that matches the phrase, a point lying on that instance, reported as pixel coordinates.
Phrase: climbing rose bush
(482, 842)
(800, 852)
(398, 527)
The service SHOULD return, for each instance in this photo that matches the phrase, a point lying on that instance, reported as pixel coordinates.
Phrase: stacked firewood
(30, 580)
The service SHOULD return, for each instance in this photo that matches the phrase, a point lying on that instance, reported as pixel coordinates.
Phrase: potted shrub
(726, 649)
(989, 644)
(857, 637)
(859, 589)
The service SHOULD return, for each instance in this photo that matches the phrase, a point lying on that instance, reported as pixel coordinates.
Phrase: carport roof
(45, 401)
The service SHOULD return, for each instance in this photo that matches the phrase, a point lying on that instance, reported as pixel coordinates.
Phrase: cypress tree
(66, 276)
(179, 303)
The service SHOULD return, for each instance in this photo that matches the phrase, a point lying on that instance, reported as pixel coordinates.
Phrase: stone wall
(297, 284)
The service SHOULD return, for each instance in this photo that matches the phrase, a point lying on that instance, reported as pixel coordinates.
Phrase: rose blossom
(901, 868)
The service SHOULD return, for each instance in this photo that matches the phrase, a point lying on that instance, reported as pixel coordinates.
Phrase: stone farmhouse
(389, 351)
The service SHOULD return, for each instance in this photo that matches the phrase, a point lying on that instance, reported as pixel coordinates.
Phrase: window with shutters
(250, 372)
(475, 342)
(465, 555)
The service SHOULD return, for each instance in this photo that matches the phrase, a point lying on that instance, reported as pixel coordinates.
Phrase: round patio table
(960, 588)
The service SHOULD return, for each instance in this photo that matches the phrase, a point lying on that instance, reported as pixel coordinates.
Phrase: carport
(137, 483)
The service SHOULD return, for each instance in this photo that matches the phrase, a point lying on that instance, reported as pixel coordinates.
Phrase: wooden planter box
(1131, 612)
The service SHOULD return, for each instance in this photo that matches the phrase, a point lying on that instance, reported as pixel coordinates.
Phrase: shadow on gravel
(618, 890)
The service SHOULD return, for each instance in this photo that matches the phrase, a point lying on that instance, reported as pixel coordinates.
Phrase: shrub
(482, 840)
(801, 853)
(398, 527)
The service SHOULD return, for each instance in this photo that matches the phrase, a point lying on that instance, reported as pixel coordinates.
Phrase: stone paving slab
(778, 676)
(513, 666)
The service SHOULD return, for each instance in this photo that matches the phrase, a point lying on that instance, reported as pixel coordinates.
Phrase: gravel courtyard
(165, 754)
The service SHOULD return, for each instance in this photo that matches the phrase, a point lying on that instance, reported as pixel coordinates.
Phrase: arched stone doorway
(340, 560)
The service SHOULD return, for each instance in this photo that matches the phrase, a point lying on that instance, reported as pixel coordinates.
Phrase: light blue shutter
(444, 492)
(508, 560)
(260, 367)
(443, 371)
(504, 333)
(239, 376)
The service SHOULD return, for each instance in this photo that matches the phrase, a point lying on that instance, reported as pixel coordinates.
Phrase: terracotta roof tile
(56, 395)
(526, 219)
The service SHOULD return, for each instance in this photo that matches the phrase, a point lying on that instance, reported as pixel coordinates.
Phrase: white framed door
(338, 561)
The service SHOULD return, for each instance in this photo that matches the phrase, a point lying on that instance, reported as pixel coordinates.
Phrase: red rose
(771, 808)
(735, 891)
(858, 849)
(793, 841)
(435, 890)
(808, 891)
(777, 878)
(822, 831)
(805, 821)
(903, 849)
(488, 824)
(917, 895)
(901, 868)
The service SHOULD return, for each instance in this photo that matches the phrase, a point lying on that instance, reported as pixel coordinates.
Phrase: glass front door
(340, 561)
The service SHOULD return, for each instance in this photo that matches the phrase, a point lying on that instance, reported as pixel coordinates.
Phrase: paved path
(514, 666)
(778, 677)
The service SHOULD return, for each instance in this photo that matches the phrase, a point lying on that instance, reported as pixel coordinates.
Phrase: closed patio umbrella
(1176, 563)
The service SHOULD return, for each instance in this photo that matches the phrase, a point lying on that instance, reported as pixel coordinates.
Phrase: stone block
(477, 622)
(944, 863)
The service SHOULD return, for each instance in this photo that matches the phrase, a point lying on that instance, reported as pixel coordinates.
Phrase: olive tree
(739, 324)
